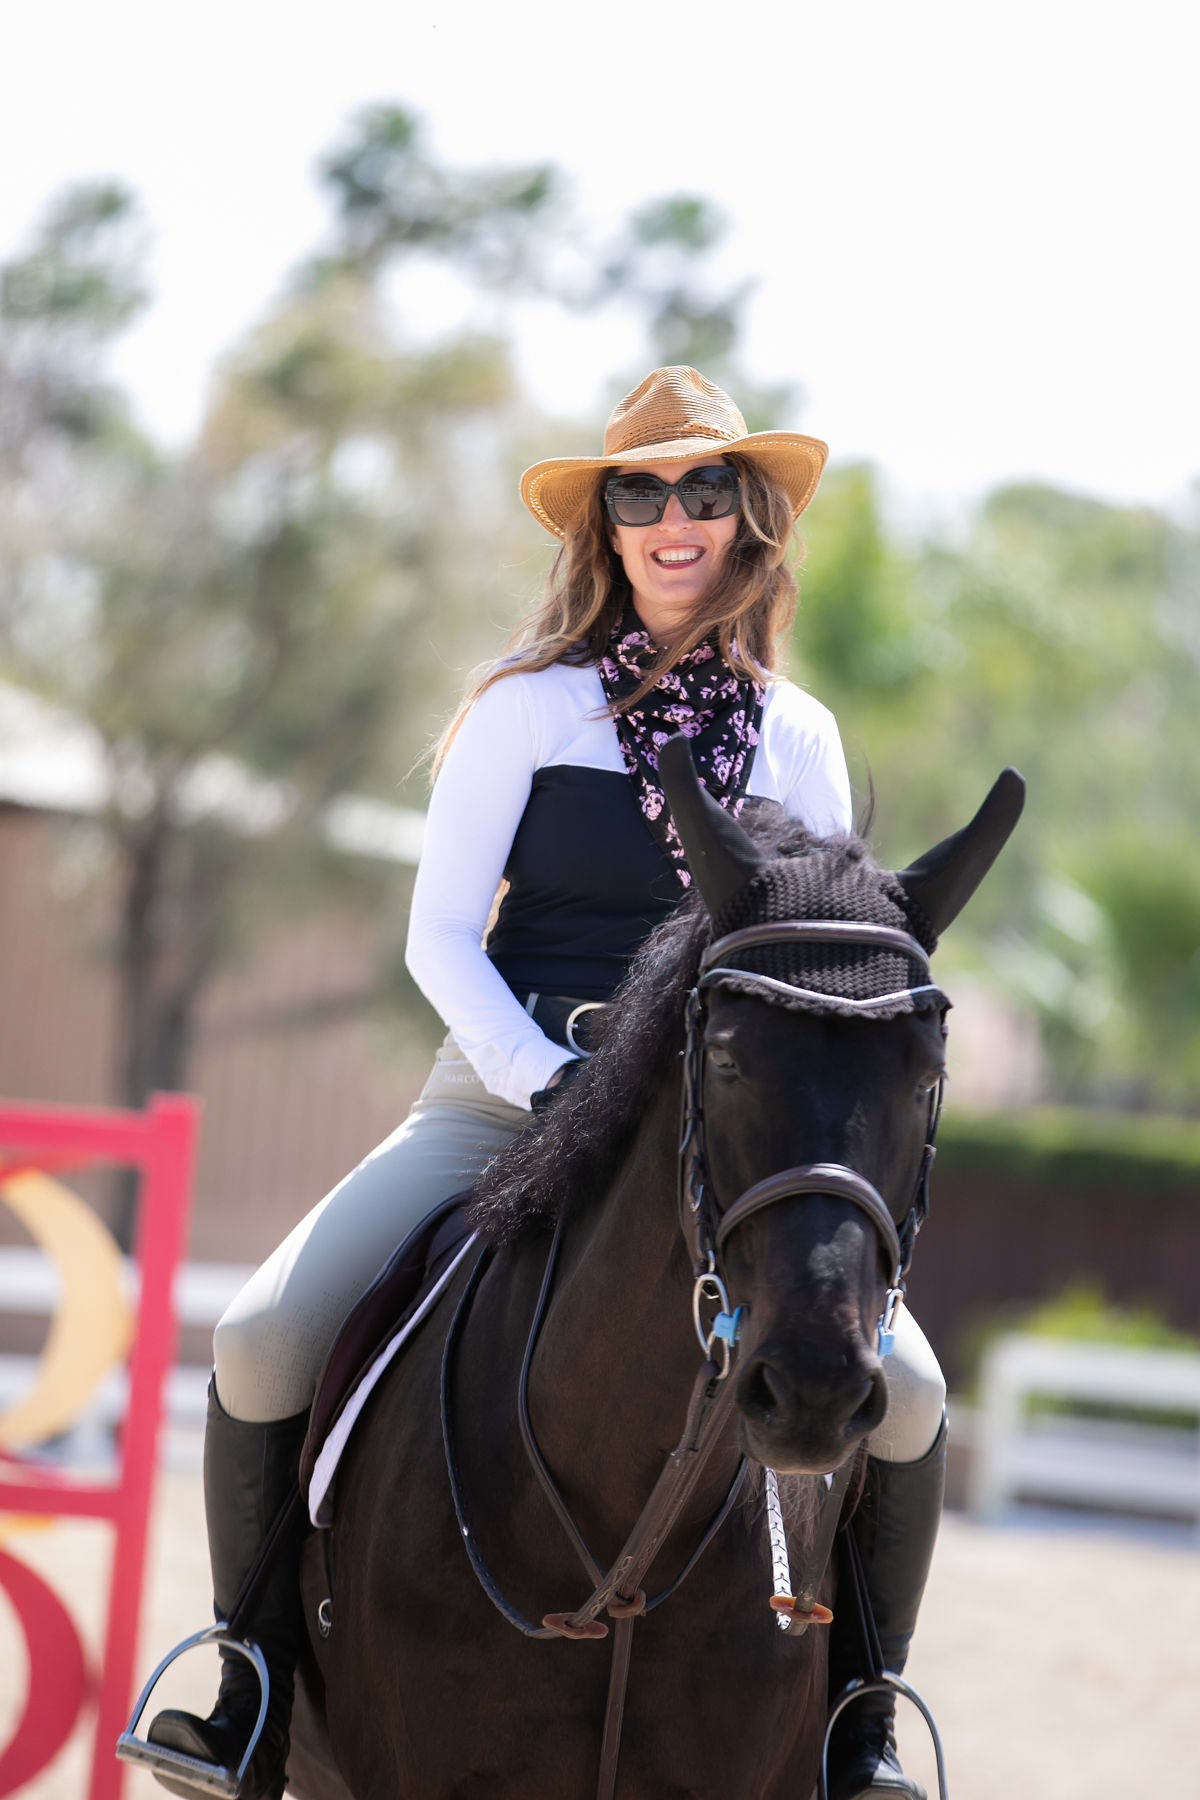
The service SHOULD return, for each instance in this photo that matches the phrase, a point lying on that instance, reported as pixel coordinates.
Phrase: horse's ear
(721, 857)
(943, 880)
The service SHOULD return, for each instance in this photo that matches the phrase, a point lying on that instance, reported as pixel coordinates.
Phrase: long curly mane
(572, 1153)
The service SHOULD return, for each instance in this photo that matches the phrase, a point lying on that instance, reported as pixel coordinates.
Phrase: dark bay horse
(806, 1052)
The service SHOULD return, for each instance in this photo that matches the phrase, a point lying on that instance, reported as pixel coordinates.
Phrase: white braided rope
(781, 1572)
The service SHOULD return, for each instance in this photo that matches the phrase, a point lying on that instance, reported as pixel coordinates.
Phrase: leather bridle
(707, 1228)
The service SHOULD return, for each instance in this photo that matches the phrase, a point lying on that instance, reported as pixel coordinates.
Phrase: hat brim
(556, 492)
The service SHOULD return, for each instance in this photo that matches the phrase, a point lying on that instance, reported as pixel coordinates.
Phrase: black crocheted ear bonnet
(837, 883)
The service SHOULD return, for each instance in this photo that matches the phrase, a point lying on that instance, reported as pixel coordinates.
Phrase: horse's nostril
(870, 1413)
(760, 1395)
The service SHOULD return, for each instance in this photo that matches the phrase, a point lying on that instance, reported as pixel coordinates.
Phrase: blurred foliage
(1083, 1314)
(391, 197)
(1148, 896)
(1058, 634)
(661, 262)
(862, 628)
(1072, 1153)
(77, 286)
(666, 243)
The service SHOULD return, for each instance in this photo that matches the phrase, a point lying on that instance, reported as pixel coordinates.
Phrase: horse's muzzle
(805, 1423)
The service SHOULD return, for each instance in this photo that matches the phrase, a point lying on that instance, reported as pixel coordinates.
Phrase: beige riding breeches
(272, 1341)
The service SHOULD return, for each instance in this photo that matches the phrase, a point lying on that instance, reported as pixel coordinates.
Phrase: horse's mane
(572, 1153)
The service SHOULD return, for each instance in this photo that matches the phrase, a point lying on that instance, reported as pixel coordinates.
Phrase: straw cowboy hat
(672, 416)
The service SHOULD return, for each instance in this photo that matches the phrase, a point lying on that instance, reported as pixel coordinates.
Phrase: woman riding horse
(664, 613)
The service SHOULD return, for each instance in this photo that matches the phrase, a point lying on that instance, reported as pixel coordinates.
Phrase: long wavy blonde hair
(749, 607)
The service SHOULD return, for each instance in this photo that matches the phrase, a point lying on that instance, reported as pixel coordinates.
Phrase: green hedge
(1077, 1151)
(1081, 1314)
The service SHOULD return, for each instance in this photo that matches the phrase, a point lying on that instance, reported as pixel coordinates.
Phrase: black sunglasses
(708, 493)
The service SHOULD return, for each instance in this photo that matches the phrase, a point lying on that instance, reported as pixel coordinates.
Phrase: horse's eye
(928, 1082)
(719, 1058)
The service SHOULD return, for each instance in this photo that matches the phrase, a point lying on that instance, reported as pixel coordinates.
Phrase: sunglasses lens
(710, 493)
(636, 499)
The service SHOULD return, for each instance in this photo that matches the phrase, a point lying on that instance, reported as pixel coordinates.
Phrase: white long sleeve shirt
(546, 735)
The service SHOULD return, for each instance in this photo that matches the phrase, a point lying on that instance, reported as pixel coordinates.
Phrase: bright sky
(967, 221)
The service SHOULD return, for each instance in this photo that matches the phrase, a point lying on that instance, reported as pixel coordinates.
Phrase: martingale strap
(619, 1592)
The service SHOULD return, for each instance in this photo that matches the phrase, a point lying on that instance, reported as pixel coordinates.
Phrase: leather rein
(618, 1592)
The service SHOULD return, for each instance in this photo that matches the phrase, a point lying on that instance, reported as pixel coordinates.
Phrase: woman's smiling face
(671, 565)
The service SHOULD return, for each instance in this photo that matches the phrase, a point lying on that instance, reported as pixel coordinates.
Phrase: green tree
(660, 265)
(391, 198)
(236, 624)
(1057, 633)
(61, 304)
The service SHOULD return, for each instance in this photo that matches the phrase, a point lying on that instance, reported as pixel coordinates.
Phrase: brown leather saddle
(384, 1309)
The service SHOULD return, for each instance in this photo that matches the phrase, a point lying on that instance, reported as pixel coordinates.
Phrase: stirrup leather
(887, 1683)
(206, 1778)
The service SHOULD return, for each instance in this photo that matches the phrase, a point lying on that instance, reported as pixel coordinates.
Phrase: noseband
(706, 1228)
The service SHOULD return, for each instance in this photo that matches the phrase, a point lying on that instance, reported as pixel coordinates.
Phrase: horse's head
(816, 1045)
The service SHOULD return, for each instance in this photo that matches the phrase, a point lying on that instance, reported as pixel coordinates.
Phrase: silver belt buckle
(585, 1006)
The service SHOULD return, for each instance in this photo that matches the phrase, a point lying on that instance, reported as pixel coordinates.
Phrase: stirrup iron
(887, 1683)
(206, 1778)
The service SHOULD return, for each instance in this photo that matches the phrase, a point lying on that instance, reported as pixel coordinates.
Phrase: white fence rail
(1081, 1459)
(1017, 1452)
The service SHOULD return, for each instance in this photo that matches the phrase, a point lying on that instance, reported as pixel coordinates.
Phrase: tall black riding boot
(250, 1475)
(894, 1529)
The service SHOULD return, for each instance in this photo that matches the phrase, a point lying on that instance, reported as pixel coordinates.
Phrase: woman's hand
(560, 1078)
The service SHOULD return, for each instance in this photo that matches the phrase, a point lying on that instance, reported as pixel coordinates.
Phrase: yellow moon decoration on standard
(93, 1322)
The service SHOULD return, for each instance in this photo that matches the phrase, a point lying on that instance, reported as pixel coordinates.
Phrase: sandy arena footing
(1062, 1660)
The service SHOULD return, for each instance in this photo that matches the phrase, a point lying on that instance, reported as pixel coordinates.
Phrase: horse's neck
(618, 1353)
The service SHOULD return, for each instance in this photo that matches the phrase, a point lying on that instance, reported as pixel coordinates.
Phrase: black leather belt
(575, 1024)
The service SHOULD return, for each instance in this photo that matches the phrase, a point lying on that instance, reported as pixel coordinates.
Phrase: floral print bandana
(702, 698)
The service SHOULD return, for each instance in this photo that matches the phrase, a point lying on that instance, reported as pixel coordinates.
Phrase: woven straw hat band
(672, 404)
